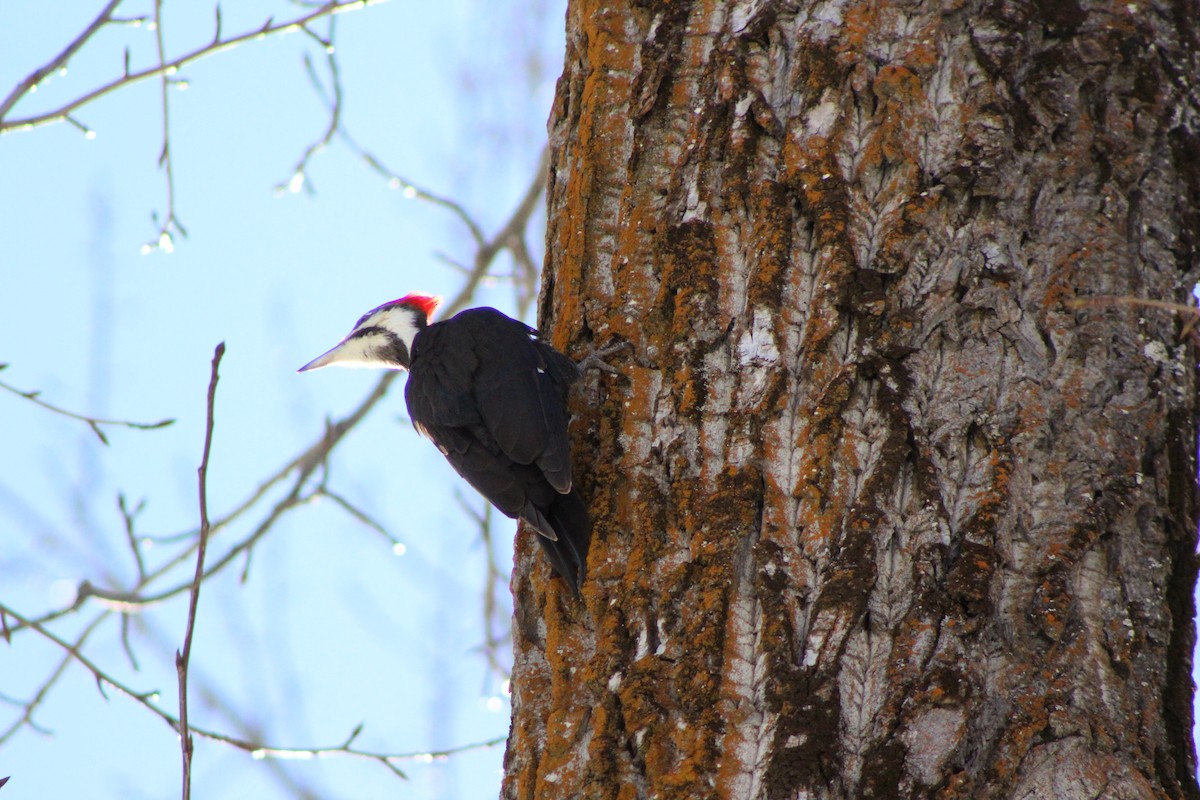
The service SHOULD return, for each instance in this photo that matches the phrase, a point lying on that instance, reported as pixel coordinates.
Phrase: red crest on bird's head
(425, 303)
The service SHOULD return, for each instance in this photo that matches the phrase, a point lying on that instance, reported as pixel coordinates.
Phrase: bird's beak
(325, 359)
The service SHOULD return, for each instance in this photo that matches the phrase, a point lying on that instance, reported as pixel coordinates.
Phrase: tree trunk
(895, 495)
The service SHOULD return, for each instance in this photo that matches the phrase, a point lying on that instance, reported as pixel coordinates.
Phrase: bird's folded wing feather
(502, 384)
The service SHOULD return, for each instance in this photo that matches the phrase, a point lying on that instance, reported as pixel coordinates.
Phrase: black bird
(493, 397)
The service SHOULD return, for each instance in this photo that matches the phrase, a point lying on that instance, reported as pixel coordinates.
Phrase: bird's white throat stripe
(397, 319)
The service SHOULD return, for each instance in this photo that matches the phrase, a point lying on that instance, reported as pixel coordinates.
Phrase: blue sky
(330, 629)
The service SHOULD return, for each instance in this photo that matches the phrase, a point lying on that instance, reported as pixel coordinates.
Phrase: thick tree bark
(889, 501)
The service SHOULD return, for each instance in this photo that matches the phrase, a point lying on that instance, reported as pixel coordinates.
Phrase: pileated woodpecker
(493, 397)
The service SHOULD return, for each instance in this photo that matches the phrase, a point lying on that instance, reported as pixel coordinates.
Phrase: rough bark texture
(879, 511)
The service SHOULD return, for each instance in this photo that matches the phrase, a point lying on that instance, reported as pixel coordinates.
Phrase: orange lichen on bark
(772, 236)
(901, 95)
(922, 53)
(606, 85)
(858, 26)
(1031, 721)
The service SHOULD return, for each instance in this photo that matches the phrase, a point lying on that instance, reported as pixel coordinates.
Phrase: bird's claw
(596, 359)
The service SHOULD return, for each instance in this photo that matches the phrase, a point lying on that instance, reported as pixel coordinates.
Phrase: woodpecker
(492, 397)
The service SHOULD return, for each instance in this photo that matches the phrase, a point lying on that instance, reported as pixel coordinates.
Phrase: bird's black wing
(493, 399)
(522, 397)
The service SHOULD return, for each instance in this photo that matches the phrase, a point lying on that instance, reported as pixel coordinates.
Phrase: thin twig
(388, 760)
(357, 513)
(59, 61)
(43, 691)
(304, 465)
(74, 652)
(1128, 300)
(1191, 314)
(215, 46)
(300, 171)
(129, 518)
(526, 273)
(415, 192)
(126, 645)
(94, 423)
(182, 658)
(164, 240)
(512, 230)
(511, 236)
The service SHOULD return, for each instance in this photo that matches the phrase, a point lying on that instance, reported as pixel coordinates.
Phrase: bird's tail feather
(569, 518)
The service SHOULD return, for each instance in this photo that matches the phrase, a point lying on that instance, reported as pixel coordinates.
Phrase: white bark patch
(752, 726)
(1157, 352)
(825, 23)
(912, 527)
(945, 88)
(642, 649)
(758, 359)
(742, 13)
(722, 382)
(931, 739)
(650, 34)
(1092, 583)
(827, 628)
(734, 277)
(862, 687)
(819, 120)
(694, 208)
(642, 418)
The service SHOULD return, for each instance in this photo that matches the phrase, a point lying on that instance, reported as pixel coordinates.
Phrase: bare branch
(303, 465)
(358, 514)
(1190, 314)
(130, 537)
(59, 61)
(413, 191)
(511, 236)
(164, 240)
(1128, 300)
(300, 171)
(388, 760)
(126, 645)
(512, 230)
(127, 78)
(526, 273)
(182, 658)
(395, 181)
(87, 132)
(72, 653)
(94, 423)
